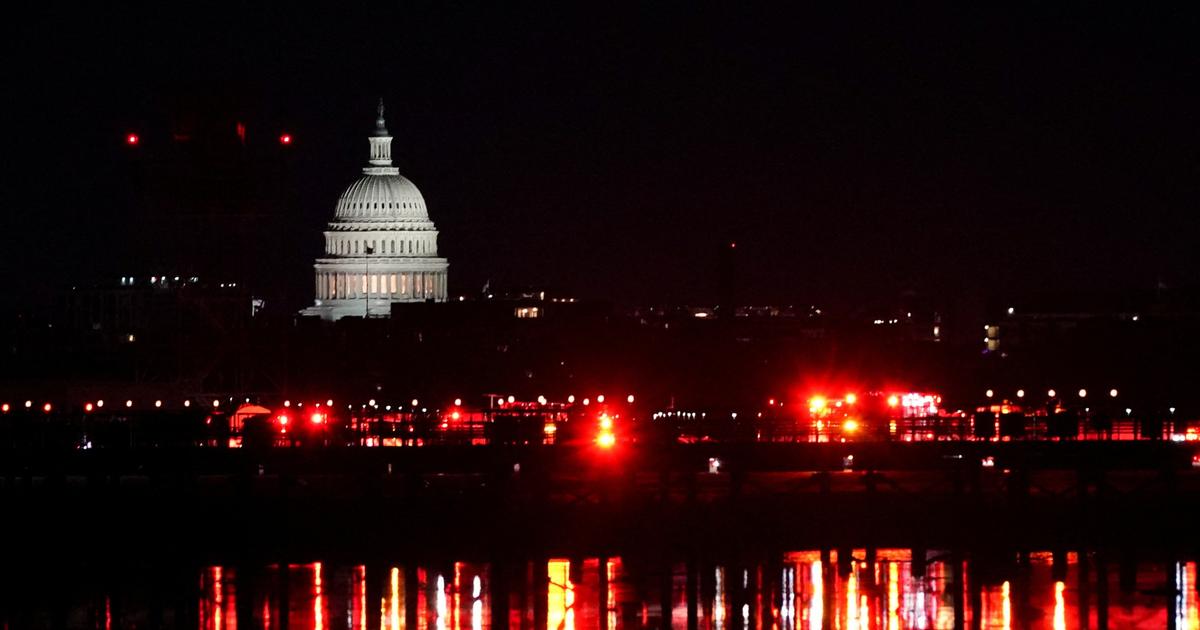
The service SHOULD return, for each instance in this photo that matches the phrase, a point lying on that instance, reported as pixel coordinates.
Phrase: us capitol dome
(381, 247)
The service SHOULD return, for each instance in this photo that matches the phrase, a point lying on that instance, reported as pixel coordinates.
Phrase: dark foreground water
(790, 590)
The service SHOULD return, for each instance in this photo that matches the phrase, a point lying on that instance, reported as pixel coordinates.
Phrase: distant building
(381, 247)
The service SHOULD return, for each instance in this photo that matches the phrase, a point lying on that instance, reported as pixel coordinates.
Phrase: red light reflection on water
(806, 590)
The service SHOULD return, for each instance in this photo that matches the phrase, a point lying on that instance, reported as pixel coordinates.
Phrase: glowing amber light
(606, 422)
(4, 407)
(87, 407)
(851, 398)
(606, 439)
(817, 403)
(317, 418)
(850, 426)
(893, 400)
(550, 429)
(46, 407)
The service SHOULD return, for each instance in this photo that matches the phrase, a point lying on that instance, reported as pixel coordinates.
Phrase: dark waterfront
(719, 536)
(809, 589)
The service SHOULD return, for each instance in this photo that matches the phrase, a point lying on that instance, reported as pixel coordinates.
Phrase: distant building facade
(381, 247)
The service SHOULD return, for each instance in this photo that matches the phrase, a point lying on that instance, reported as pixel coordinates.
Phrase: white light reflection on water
(719, 599)
(816, 606)
(440, 603)
(476, 604)
(787, 606)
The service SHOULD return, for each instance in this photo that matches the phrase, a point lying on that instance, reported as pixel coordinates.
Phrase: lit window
(393, 280)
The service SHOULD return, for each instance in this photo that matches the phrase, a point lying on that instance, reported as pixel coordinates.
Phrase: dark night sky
(611, 152)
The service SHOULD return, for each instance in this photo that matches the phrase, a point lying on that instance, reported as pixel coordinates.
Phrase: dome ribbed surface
(381, 197)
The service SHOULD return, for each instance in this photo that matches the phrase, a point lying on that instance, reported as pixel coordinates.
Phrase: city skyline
(975, 154)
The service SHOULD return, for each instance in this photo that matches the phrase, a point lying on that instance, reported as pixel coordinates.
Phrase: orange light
(850, 425)
(606, 422)
(4, 408)
(550, 428)
(851, 398)
(317, 418)
(817, 403)
(455, 415)
(132, 139)
(88, 407)
(46, 407)
(606, 439)
(893, 400)
(285, 139)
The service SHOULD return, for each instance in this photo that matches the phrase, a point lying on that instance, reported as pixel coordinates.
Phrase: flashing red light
(132, 139)
(285, 139)
(817, 403)
(850, 426)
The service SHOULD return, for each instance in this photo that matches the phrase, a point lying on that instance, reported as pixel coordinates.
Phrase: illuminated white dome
(382, 198)
(381, 246)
